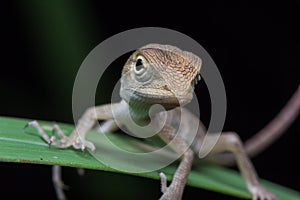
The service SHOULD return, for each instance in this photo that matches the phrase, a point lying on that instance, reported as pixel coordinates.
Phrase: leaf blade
(19, 146)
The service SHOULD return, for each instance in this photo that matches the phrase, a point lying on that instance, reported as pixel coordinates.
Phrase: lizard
(165, 75)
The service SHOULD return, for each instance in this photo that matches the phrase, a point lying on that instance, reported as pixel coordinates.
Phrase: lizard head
(160, 74)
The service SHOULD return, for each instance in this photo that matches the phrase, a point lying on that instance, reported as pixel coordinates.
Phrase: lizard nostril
(166, 87)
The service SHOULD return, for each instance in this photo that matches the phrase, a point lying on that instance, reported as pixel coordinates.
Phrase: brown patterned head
(160, 74)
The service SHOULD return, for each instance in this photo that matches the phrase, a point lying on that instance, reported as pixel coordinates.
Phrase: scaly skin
(166, 75)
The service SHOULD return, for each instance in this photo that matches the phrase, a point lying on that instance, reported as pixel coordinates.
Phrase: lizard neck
(139, 112)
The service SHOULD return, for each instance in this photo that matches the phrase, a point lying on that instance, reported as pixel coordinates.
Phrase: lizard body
(165, 75)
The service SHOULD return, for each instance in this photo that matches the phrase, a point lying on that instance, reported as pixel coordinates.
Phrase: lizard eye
(142, 70)
(139, 67)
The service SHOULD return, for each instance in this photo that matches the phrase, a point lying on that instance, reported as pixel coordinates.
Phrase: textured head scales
(180, 68)
(161, 74)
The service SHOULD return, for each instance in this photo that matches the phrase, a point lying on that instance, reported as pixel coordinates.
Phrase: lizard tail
(274, 129)
(266, 136)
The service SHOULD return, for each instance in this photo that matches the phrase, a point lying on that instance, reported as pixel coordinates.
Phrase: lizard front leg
(230, 141)
(77, 137)
(85, 123)
(175, 190)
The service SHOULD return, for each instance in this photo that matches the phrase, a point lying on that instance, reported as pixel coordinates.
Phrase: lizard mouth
(155, 96)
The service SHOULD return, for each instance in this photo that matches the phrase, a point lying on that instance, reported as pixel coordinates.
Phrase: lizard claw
(89, 145)
(26, 126)
(83, 144)
(51, 140)
(63, 141)
(261, 193)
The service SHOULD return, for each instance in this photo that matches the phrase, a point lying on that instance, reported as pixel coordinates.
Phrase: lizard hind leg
(58, 184)
(230, 141)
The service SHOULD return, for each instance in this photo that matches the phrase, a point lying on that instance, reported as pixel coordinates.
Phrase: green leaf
(17, 145)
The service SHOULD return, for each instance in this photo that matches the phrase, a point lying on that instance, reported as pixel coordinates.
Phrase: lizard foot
(63, 141)
(259, 192)
(169, 193)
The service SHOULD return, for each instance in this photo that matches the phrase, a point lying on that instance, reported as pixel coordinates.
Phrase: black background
(255, 48)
